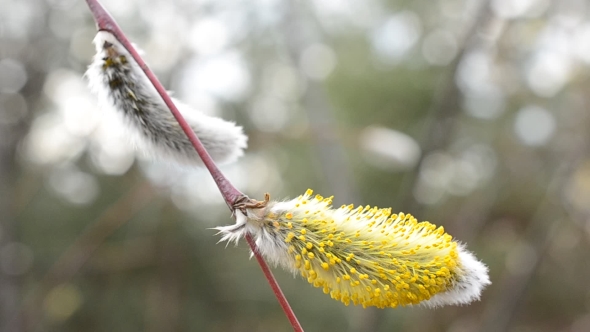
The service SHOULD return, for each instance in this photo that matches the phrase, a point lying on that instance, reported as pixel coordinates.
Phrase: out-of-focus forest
(471, 114)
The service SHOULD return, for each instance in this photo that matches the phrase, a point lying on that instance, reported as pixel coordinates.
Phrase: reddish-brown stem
(231, 195)
(275, 286)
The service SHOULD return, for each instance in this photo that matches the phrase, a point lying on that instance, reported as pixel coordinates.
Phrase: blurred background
(471, 114)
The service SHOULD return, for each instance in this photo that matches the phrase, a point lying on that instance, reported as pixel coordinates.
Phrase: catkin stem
(231, 195)
(275, 286)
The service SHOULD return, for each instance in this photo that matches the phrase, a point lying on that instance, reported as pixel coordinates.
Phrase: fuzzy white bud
(120, 84)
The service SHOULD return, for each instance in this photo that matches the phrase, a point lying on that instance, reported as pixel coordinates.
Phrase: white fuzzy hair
(472, 277)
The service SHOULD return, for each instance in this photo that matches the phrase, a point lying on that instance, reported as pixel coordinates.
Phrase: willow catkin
(363, 255)
(120, 84)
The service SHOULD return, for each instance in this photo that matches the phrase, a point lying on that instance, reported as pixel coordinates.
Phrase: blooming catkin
(120, 83)
(363, 255)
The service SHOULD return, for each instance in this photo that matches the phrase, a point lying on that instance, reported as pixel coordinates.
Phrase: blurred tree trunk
(332, 162)
(10, 135)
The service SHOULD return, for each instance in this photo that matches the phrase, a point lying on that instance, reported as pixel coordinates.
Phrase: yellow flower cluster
(363, 255)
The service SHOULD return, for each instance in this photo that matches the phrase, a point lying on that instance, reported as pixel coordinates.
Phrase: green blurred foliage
(335, 96)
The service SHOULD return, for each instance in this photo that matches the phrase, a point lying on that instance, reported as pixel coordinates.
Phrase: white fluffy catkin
(120, 83)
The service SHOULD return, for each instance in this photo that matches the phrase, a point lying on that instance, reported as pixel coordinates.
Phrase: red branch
(275, 286)
(231, 195)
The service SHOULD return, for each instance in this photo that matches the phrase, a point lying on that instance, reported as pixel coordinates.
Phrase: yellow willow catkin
(363, 255)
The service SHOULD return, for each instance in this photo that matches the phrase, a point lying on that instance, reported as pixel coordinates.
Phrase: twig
(330, 154)
(539, 234)
(231, 195)
(275, 286)
(444, 110)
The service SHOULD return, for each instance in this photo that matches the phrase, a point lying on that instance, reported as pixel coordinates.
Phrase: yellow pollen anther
(386, 260)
